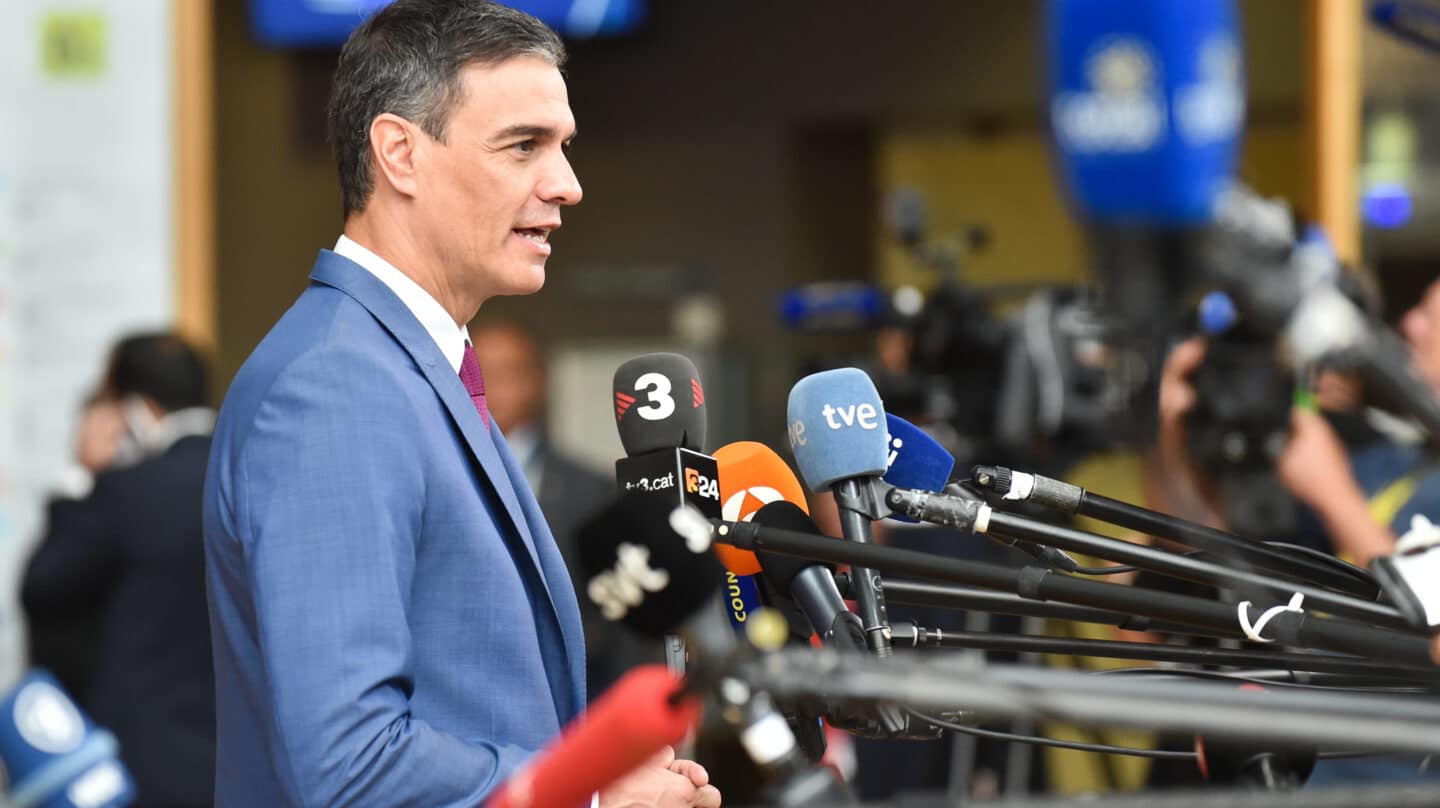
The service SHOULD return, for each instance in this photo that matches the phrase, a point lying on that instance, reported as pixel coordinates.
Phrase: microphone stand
(1020, 528)
(1385, 795)
(1294, 628)
(1072, 500)
(944, 596)
(908, 634)
(1289, 716)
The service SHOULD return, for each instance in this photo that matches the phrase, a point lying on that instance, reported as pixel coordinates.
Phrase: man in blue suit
(393, 624)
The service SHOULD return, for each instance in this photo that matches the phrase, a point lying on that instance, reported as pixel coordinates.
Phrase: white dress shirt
(437, 321)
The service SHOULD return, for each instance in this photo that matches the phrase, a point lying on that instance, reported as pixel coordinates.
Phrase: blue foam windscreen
(917, 460)
(836, 424)
(52, 755)
(1147, 106)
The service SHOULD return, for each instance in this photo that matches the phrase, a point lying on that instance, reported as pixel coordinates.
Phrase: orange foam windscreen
(752, 475)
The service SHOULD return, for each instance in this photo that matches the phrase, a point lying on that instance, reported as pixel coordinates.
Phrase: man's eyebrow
(532, 130)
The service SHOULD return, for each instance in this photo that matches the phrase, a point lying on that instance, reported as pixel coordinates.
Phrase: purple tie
(474, 382)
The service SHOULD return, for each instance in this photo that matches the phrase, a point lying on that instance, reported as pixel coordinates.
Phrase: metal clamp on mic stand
(861, 501)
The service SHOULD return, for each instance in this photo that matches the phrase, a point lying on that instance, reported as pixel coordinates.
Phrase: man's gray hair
(407, 60)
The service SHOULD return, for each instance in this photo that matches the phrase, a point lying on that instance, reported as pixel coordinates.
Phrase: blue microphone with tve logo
(660, 413)
(836, 424)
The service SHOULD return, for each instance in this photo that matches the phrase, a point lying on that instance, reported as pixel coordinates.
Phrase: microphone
(1413, 22)
(1070, 499)
(661, 415)
(650, 566)
(1246, 762)
(809, 584)
(1147, 104)
(836, 429)
(833, 306)
(52, 755)
(659, 404)
(1147, 109)
(915, 460)
(637, 717)
(919, 463)
(752, 476)
(812, 586)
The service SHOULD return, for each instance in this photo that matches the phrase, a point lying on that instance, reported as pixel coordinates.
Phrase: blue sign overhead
(326, 23)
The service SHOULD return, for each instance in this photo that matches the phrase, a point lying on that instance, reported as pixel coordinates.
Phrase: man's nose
(560, 185)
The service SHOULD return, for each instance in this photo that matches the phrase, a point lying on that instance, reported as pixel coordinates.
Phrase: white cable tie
(982, 519)
(1253, 632)
(1422, 535)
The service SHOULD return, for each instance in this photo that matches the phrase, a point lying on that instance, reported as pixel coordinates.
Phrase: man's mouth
(536, 234)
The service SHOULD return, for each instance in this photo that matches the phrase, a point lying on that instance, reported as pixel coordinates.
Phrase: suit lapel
(343, 274)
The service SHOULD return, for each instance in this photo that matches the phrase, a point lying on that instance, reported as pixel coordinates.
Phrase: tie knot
(474, 382)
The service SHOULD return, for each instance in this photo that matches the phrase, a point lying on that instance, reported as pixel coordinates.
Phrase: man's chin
(526, 283)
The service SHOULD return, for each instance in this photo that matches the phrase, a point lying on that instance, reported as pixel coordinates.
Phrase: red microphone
(631, 722)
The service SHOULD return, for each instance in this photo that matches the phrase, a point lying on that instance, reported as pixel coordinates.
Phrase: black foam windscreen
(640, 571)
(780, 569)
(659, 404)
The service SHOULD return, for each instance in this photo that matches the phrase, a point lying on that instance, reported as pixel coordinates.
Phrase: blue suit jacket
(392, 622)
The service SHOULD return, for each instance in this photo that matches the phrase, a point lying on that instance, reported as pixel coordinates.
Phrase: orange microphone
(752, 476)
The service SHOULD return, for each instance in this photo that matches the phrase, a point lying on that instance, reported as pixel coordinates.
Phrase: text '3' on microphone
(661, 415)
(836, 425)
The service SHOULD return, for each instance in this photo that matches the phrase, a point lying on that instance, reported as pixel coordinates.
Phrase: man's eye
(525, 146)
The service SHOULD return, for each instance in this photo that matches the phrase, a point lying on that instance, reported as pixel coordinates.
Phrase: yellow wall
(1003, 183)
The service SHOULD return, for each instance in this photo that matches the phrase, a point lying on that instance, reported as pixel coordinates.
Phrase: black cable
(1360, 574)
(1162, 754)
(1195, 673)
(1104, 570)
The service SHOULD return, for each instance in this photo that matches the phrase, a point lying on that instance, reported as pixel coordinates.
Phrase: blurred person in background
(115, 592)
(393, 622)
(568, 491)
(1362, 496)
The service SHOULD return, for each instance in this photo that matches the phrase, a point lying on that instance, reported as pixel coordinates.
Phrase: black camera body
(1239, 427)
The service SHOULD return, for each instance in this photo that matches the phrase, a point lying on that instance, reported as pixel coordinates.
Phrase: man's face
(1421, 327)
(491, 193)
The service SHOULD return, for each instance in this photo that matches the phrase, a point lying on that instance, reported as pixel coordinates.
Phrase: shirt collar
(432, 316)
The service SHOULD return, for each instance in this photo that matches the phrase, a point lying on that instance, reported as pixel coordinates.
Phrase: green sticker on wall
(72, 44)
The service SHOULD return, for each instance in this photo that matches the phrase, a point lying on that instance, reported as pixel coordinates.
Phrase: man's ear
(393, 145)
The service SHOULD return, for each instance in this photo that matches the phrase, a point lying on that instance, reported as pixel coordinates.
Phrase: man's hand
(101, 427)
(1313, 465)
(1175, 485)
(663, 782)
